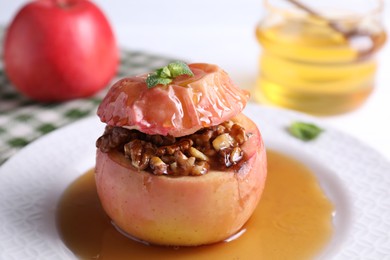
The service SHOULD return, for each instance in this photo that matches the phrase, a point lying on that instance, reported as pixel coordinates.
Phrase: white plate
(355, 177)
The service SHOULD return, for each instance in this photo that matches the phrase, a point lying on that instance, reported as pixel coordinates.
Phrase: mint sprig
(165, 75)
(304, 131)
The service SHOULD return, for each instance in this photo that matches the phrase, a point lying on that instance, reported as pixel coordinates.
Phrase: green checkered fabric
(22, 120)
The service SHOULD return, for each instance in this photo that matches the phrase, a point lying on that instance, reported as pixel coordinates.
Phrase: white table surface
(222, 32)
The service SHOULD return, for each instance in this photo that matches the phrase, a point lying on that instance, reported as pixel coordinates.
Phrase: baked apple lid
(183, 106)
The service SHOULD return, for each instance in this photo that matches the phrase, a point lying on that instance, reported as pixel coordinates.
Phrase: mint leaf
(304, 131)
(153, 80)
(178, 68)
(166, 74)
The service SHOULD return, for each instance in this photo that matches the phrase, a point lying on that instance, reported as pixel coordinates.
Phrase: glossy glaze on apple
(180, 108)
(287, 224)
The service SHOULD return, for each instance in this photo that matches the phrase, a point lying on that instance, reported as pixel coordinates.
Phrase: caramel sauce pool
(293, 221)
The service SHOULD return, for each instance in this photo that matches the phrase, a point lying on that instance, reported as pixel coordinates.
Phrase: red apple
(184, 210)
(59, 50)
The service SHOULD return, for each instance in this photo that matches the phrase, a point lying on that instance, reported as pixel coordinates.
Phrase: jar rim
(377, 9)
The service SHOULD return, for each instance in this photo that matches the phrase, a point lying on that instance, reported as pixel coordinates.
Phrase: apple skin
(184, 106)
(180, 108)
(60, 50)
(185, 210)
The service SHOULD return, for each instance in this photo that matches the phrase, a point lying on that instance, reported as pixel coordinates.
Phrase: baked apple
(178, 163)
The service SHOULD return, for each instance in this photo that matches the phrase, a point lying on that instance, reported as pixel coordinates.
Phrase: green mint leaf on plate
(166, 74)
(153, 80)
(304, 131)
(178, 68)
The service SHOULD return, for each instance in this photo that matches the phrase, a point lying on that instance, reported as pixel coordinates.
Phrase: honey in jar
(318, 56)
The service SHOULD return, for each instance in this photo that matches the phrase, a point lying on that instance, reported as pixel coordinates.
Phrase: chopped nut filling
(216, 146)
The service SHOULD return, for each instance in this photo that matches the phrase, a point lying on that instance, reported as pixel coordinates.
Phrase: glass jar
(318, 56)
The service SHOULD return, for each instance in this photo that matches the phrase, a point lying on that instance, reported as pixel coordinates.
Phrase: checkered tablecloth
(22, 120)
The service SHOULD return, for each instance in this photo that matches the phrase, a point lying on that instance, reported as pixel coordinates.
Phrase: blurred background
(218, 31)
(223, 32)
